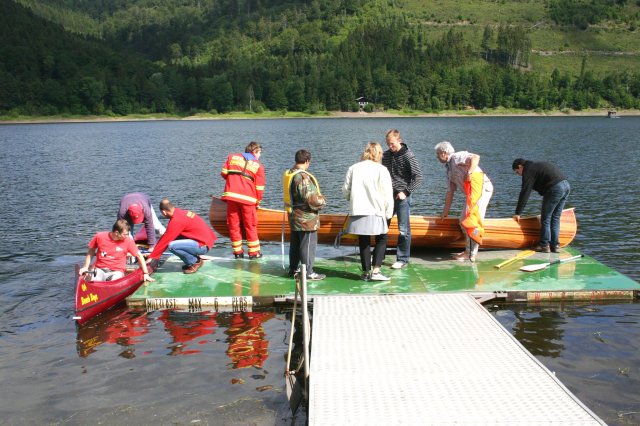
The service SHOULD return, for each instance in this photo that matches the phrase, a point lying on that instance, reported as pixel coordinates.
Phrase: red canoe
(95, 297)
(426, 231)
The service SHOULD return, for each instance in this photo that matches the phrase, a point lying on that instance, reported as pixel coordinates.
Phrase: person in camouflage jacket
(304, 217)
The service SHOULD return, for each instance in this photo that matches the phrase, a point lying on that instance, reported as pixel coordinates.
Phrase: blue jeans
(187, 250)
(553, 202)
(402, 208)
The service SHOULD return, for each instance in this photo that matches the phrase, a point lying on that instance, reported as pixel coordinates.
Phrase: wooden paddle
(336, 241)
(540, 266)
(522, 255)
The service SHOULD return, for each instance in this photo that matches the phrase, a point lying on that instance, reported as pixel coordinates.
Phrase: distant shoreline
(591, 113)
(333, 114)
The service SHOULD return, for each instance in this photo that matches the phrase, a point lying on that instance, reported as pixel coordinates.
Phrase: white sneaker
(398, 265)
(377, 276)
(460, 256)
(314, 276)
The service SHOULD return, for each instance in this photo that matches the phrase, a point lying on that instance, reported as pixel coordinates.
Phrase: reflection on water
(248, 346)
(593, 348)
(247, 343)
(540, 332)
(185, 327)
(241, 277)
(115, 326)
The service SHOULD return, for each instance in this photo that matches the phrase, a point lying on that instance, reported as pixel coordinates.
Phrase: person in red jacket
(196, 238)
(244, 176)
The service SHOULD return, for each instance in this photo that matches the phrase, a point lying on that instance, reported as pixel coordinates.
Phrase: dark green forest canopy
(118, 57)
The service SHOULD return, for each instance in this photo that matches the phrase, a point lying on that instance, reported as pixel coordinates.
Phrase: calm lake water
(62, 182)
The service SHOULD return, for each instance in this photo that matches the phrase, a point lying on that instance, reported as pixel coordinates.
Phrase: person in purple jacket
(136, 208)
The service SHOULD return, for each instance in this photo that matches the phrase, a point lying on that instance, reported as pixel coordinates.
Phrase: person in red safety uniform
(187, 236)
(244, 176)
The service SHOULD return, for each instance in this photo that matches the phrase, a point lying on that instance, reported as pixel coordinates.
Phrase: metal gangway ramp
(427, 359)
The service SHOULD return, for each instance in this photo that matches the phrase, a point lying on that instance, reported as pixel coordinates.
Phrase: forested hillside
(185, 56)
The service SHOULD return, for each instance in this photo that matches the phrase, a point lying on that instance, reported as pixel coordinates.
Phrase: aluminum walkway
(448, 362)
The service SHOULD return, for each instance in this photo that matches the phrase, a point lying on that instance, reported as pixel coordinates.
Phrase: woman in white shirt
(368, 188)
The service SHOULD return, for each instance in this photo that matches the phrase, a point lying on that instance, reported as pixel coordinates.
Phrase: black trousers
(364, 242)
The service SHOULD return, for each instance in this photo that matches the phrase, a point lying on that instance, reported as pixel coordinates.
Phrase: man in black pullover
(406, 177)
(552, 184)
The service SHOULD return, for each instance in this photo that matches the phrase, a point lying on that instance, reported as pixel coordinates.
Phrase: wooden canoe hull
(95, 297)
(426, 231)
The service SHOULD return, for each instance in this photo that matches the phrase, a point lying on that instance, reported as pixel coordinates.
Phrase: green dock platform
(225, 283)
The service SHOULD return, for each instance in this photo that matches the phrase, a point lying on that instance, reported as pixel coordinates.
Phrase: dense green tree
(480, 90)
(295, 95)
(222, 96)
(91, 93)
(276, 95)
(119, 101)
(189, 55)
(487, 40)
(583, 13)
(9, 91)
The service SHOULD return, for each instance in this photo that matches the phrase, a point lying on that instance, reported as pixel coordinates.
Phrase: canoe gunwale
(426, 231)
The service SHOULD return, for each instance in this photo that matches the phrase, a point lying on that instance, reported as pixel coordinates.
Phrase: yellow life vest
(287, 179)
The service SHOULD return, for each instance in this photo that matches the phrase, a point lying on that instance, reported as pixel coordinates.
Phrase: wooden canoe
(95, 297)
(426, 231)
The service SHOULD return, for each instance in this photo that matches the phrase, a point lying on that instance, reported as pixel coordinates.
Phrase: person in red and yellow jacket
(196, 238)
(244, 176)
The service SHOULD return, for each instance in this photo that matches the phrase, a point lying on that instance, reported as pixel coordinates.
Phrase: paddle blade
(536, 267)
(336, 242)
(539, 266)
(521, 255)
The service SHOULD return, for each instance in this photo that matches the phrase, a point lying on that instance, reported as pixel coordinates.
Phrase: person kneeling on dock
(111, 250)
(195, 237)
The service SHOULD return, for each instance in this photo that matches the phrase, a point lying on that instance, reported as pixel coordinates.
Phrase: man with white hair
(464, 174)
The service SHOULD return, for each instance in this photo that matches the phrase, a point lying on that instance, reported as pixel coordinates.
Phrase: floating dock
(447, 362)
(225, 283)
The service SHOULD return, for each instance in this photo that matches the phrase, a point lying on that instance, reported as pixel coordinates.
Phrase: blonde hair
(373, 152)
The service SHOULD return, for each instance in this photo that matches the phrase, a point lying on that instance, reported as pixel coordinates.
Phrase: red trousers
(243, 218)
